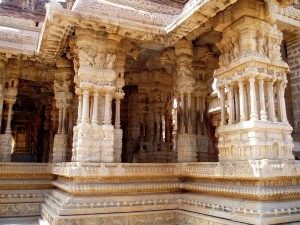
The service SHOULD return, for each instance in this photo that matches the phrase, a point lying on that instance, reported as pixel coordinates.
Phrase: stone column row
(90, 115)
(238, 99)
(191, 117)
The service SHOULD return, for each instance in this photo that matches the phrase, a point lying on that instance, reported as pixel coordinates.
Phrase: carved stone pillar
(236, 104)
(95, 108)
(9, 116)
(231, 105)
(94, 141)
(282, 107)
(118, 131)
(189, 112)
(255, 54)
(64, 120)
(2, 81)
(6, 140)
(222, 101)
(59, 120)
(187, 142)
(1, 104)
(182, 111)
(253, 103)
(271, 102)
(79, 114)
(263, 113)
(85, 106)
(198, 115)
(107, 109)
(63, 97)
(242, 101)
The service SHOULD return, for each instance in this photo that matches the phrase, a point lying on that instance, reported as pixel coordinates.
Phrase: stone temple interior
(149, 112)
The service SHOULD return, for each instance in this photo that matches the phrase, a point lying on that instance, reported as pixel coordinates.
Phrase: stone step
(23, 221)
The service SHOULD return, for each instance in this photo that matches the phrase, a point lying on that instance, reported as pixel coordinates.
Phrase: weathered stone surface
(125, 98)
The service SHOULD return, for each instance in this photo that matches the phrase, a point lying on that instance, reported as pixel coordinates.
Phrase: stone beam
(160, 27)
(18, 38)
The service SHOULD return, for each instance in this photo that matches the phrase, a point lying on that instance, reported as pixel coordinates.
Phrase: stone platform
(254, 192)
(23, 221)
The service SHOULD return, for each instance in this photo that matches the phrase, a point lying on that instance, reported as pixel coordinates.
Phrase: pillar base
(187, 148)
(118, 135)
(93, 143)
(60, 147)
(6, 146)
(202, 148)
(255, 140)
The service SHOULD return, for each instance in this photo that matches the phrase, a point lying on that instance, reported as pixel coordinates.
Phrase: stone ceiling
(168, 21)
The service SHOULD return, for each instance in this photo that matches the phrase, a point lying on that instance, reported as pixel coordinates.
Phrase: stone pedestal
(118, 134)
(203, 148)
(60, 146)
(93, 143)
(6, 147)
(187, 148)
(255, 140)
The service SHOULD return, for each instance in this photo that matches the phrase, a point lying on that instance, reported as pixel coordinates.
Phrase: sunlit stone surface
(149, 112)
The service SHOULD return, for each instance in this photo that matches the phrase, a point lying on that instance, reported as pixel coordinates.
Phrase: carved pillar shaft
(182, 125)
(117, 119)
(95, 109)
(70, 121)
(253, 104)
(263, 113)
(101, 105)
(157, 126)
(242, 101)
(107, 109)
(271, 102)
(222, 101)
(1, 109)
(202, 109)
(189, 112)
(237, 104)
(8, 124)
(198, 125)
(60, 114)
(91, 104)
(79, 117)
(64, 120)
(246, 101)
(231, 105)
(160, 126)
(85, 106)
(282, 103)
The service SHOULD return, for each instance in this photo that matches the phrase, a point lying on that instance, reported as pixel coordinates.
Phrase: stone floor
(23, 221)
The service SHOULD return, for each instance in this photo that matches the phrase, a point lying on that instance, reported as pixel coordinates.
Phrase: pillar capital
(119, 95)
(62, 93)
